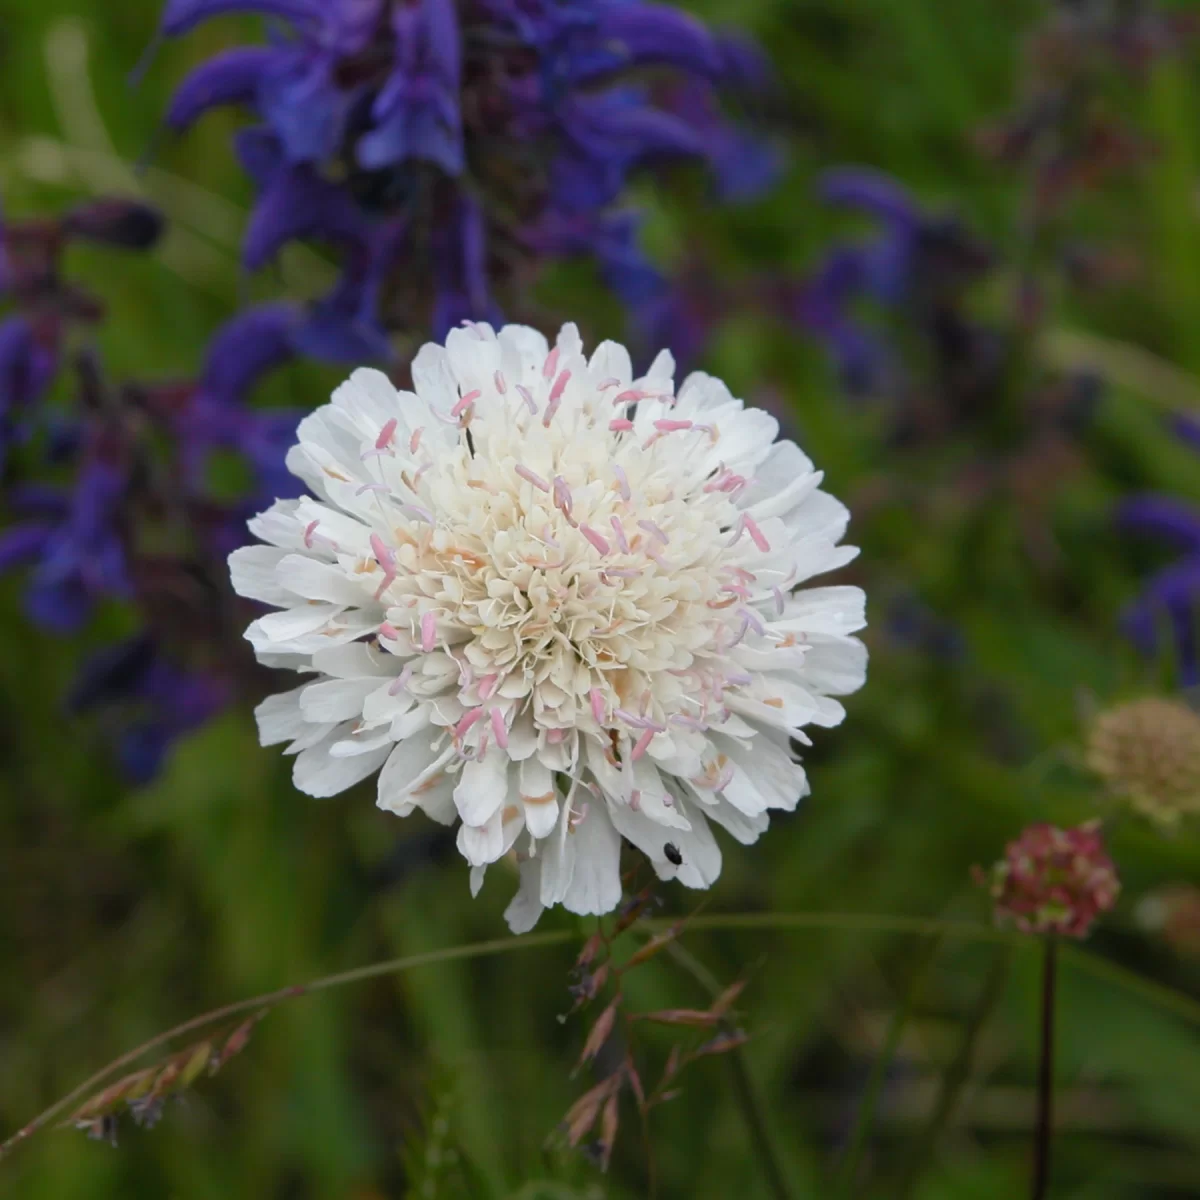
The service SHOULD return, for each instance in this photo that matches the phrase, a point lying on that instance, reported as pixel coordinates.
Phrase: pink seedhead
(1053, 880)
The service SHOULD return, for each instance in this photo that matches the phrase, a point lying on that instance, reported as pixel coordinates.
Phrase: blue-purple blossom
(1170, 601)
(439, 147)
(151, 701)
(913, 270)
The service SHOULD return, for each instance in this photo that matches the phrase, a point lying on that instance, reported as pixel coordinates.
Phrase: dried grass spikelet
(1148, 753)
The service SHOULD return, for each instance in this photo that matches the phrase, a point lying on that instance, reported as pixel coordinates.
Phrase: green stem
(1160, 995)
(956, 1074)
(1045, 1108)
(753, 1112)
(852, 1162)
(269, 999)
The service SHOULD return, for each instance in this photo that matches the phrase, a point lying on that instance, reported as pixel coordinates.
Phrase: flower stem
(852, 1161)
(743, 1083)
(956, 1074)
(1045, 1105)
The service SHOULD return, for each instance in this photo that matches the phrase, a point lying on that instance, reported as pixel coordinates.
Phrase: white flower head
(556, 603)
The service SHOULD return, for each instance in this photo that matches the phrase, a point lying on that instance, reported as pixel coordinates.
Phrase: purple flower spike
(245, 349)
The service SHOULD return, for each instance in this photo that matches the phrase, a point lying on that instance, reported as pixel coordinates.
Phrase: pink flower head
(1053, 880)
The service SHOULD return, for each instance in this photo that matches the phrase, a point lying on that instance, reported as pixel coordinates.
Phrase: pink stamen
(622, 482)
(562, 495)
(417, 513)
(654, 530)
(428, 631)
(469, 718)
(592, 536)
(755, 533)
(619, 534)
(551, 364)
(597, 705)
(401, 680)
(372, 487)
(537, 481)
(464, 402)
(556, 394)
(549, 538)
(501, 386)
(555, 736)
(487, 685)
(499, 729)
(777, 592)
(635, 800)
(621, 425)
(748, 614)
(619, 573)
(527, 396)
(633, 394)
(389, 631)
(687, 722)
(657, 559)
(738, 679)
(384, 440)
(666, 426)
(384, 555)
(420, 471)
(641, 745)
(309, 530)
(605, 384)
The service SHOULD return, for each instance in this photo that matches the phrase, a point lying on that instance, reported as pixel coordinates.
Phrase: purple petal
(460, 269)
(1187, 429)
(872, 191)
(232, 77)
(1161, 517)
(22, 545)
(652, 34)
(245, 348)
(260, 152)
(299, 101)
(1170, 598)
(297, 204)
(182, 15)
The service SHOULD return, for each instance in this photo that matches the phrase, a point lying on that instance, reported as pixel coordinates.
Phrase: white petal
(595, 886)
(482, 788)
(410, 766)
(279, 718)
(335, 699)
(252, 571)
(537, 796)
(482, 844)
(525, 908)
(319, 774)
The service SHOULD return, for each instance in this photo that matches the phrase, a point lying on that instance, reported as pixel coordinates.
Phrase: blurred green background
(123, 912)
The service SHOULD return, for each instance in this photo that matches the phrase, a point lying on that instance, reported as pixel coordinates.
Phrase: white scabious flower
(557, 603)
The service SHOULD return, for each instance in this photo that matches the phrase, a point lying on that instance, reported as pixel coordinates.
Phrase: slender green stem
(269, 999)
(852, 1161)
(1045, 1108)
(753, 1111)
(957, 1073)
(1160, 995)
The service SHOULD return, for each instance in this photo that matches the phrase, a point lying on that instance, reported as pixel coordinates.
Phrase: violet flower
(1168, 602)
(914, 269)
(434, 144)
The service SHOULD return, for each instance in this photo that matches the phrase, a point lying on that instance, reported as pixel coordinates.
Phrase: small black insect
(470, 442)
(672, 853)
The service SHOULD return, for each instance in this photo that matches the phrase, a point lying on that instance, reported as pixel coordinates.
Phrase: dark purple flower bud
(232, 77)
(126, 223)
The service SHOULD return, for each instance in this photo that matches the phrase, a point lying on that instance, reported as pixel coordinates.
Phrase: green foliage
(124, 912)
